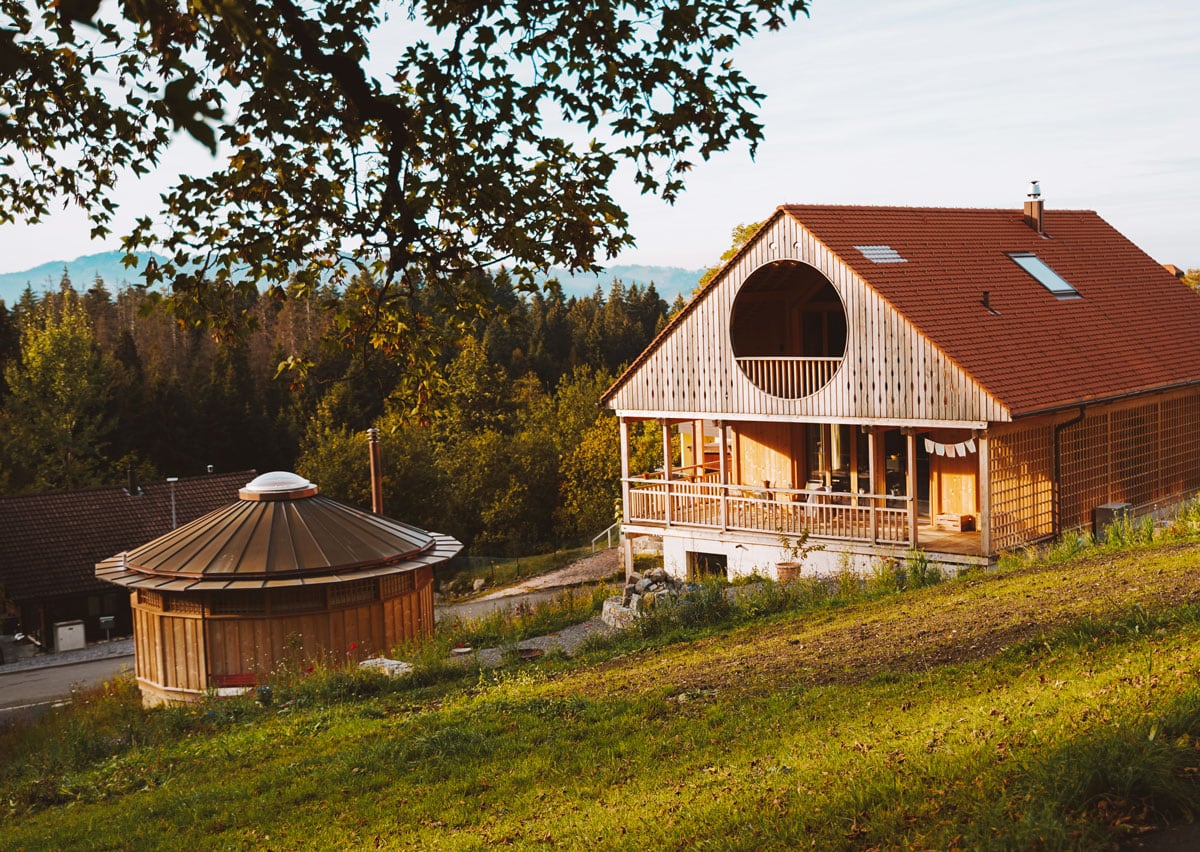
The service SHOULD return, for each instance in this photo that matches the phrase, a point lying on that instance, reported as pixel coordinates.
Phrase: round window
(788, 329)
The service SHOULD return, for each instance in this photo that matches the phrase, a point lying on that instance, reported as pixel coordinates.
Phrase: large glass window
(1044, 275)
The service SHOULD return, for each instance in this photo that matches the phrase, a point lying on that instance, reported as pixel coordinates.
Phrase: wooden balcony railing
(789, 378)
(875, 518)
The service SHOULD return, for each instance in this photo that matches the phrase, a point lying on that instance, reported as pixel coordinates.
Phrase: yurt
(281, 574)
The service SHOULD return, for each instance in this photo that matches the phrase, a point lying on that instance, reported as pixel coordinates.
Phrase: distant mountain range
(82, 271)
(670, 281)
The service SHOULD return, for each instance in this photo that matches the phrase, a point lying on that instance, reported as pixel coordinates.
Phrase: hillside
(1051, 705)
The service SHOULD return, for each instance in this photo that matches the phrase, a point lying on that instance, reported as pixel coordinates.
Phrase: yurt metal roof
(279, 533)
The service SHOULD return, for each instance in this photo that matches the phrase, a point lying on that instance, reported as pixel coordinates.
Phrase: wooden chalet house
(963, 381)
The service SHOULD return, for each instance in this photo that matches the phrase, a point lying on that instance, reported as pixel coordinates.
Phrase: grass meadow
(1052, 704)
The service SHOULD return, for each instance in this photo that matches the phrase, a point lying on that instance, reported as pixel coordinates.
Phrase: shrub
(921, 572)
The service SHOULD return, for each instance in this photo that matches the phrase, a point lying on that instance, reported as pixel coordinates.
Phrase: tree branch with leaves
(405, 145)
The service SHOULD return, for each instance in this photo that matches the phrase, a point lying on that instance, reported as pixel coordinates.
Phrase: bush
(921, 572)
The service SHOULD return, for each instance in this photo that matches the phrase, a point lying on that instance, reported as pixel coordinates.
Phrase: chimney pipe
(1034, 207)
(376, 471)
(132, 486)
(172, 480)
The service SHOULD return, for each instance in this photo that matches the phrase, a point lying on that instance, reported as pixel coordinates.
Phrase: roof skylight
(1044, 275)
(881, 254)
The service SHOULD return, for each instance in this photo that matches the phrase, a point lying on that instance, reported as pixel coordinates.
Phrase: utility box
(1105, 516)
(68, 636)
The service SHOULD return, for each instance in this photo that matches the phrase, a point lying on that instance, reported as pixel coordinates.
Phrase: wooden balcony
(874, 518)
(789, 378)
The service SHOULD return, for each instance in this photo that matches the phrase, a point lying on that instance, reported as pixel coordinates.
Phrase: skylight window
(1044, 275)
(881, 254)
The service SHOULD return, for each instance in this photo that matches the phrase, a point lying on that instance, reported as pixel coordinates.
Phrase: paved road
(30, 690)
(534, 590)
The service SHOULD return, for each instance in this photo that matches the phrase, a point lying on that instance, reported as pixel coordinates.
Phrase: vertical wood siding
(1143, 452)
(184, 643)
(889, 371)
(1139, 452)
(1021, 467)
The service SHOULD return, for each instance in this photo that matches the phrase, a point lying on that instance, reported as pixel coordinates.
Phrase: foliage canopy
(407, 144)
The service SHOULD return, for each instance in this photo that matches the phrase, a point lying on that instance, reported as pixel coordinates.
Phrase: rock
(479, 585)
(633, 577)
(391, 668)
(659, 574)
(615, 615)
(641, 585)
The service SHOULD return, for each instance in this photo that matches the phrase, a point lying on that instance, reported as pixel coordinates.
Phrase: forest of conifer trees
(503, 445)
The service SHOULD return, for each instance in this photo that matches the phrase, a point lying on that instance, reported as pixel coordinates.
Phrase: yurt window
(356, 592)
(238, 603)
(177, 603)
(395, 585)
(297, 600)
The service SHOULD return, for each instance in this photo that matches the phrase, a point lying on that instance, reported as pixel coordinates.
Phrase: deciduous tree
(54, 423)
(410, 143)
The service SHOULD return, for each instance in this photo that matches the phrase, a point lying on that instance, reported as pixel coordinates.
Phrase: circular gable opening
(788, 329)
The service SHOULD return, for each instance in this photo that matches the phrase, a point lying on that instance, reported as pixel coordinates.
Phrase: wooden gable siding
(890, 372)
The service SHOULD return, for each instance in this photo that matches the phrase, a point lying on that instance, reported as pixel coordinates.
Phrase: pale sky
(923, 103)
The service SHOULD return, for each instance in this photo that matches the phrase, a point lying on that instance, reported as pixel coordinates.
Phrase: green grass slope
(1052, 705)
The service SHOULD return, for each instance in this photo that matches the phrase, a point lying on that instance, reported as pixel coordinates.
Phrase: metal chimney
(174, 520)
(1034, 207)
(376, 471)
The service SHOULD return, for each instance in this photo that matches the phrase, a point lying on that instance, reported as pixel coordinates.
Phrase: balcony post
(666, 436)
(625, 507)
(872, 452)
(911, 437)
(985, 496)
(724, 434)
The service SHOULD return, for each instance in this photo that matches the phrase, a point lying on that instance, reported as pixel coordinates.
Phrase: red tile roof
(1135, 328)
(50, 542)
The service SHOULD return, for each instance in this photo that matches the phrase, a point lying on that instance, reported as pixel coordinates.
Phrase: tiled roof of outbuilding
(50, 542)
(1134, 328)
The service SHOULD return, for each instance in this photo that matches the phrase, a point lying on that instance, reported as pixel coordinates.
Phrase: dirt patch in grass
(957, 622)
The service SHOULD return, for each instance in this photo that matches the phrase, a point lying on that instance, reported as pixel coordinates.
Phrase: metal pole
(173, 480)
(376, 471)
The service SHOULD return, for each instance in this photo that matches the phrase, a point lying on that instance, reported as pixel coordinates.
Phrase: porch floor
(947, 541)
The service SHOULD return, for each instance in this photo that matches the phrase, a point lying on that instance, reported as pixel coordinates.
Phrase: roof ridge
(926, 209)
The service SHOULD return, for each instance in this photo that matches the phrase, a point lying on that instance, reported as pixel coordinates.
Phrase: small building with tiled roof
(50, 544)
(962, 381)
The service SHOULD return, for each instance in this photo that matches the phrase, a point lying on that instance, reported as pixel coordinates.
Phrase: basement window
(1044, 275)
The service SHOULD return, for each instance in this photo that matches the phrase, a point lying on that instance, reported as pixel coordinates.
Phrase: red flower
(353, 646)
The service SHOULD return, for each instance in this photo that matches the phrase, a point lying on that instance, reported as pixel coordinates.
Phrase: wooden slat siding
(1021, 474)
(146, 632)
(1142, 451)
(891, 371)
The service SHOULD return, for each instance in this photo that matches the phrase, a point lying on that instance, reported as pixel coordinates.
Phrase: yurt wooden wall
(190, 642)
(890, 371)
